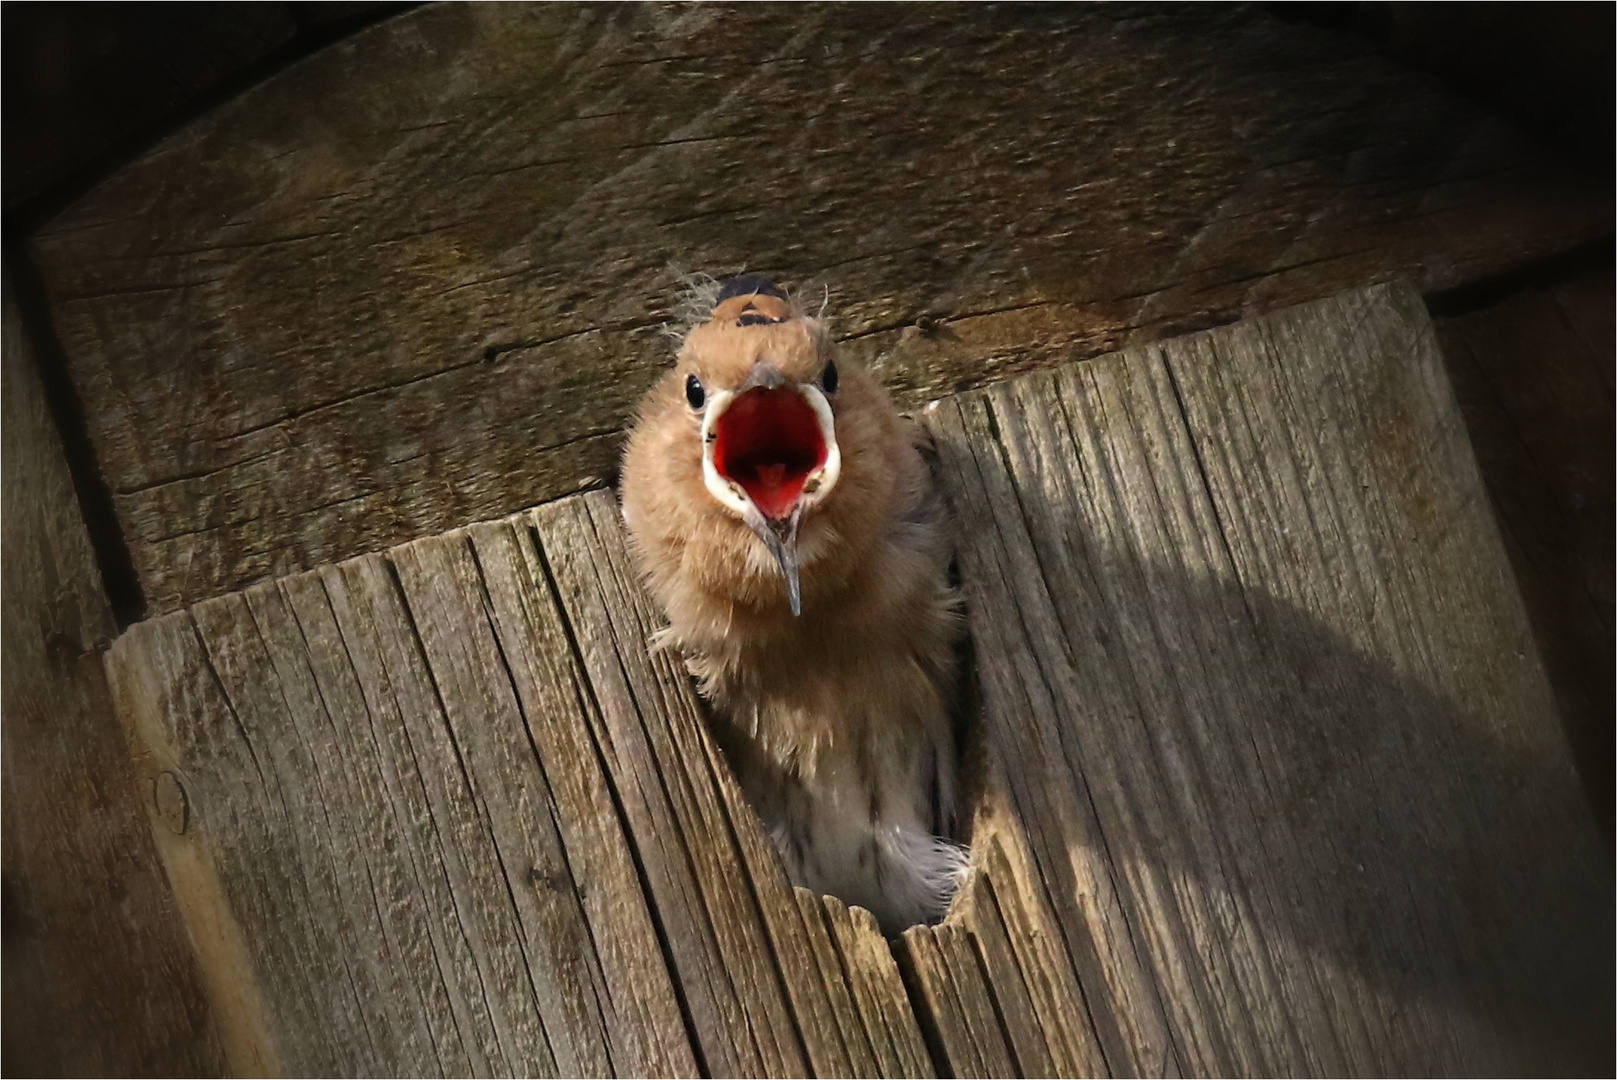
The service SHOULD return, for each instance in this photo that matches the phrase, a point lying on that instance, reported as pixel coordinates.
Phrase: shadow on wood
(98, 976)
(1533, 376)
(1307, 863)
(1268, 700)
(1275, 786)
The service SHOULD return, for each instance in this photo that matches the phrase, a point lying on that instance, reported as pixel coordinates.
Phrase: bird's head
(761, 458)
(760, 382)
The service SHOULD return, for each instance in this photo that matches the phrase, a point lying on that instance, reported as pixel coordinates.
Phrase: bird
(783, 514)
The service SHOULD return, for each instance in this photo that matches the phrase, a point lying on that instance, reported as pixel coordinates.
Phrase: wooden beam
(1533, 376)
(99, 979)
(417, 279)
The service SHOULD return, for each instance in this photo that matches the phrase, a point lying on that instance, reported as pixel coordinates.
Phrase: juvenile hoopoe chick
(785, 519)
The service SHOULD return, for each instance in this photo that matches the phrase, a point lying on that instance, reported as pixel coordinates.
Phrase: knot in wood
(172, 803)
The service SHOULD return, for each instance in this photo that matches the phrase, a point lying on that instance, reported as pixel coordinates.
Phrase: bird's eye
(694, 392)
(828, 377)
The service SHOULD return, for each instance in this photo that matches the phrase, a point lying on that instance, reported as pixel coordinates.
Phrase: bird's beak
(769, 454)
(780, 537)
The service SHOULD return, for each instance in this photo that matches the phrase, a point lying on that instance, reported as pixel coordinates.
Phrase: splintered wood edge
(855, 1040)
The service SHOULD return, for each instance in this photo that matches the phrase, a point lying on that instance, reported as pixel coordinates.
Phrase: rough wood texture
(994, 988)
(658, 753)
(415, 280)
(441, 812)
(1275, 784)
(1533, 375)
(1241, 593)
(361, 772)
(99, 979)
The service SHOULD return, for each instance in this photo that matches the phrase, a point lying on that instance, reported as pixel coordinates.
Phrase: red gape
(769, 442)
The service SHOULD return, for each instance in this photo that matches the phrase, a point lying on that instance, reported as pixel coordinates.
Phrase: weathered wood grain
(414, 280)
(443, 812)
(1254, 575)
(961, 1006)
(858, 1046)
(363, 786)
(1043, 1009)
(1013, 1007)
(873, 977)
(1051, 810)
(99, 979)
(1275, 781)
(652, 735)
(534, 638)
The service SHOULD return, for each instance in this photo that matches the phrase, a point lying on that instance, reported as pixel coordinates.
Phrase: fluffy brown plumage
(838, 719)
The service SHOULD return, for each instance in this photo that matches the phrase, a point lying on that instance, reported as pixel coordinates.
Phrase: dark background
(89, 86)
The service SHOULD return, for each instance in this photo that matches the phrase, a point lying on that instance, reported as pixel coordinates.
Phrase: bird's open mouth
(770, 453)
(769, 441)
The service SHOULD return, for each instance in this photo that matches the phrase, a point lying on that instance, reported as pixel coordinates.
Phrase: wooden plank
(99, 978)
(755, 973)
(856, 1040)
(977, 1005)
(1043, 1008)
(168, 690)
(1004, 984)
(660, 755)
(648, 1032)
(878, 990)
(446, 813)
(378, 832)
(443, 588)
(1030, 704)
(415, 280)
(366, 765)
(898, 1012)
(938, 1001)
(257, 647)
(1254, 572)
(291, 880)
(1470, 659)
(814, 1003)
